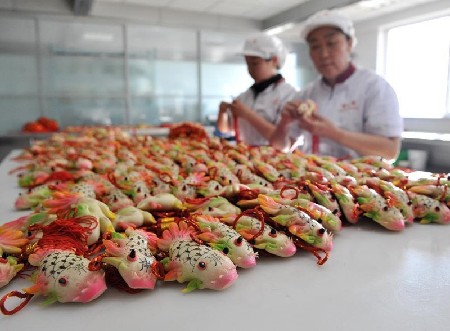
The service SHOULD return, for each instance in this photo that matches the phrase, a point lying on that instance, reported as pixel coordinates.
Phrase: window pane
(82, 59)
(299, 69)
(158, 110)
(15, 112)
(86, 111)
(82, 75)
(225, 79)
(210, 107)
(17, 57)
(141, 72)
(19, 102)
(291, 70)
(417, 65)
(175, 78)
(162, 74)
(224, 72)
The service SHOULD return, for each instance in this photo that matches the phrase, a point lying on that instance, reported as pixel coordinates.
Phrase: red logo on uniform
(349, 106)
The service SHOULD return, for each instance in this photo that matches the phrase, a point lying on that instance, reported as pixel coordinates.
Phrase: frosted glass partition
(19, 96)
(87, 110)
(83, 73)
(69, 38)
(224, 73)
(160, 109)
(15, 111)
(210, 108)
(291, 70)
(162, 74)
(224, 47)
(225, 79)
(221, 82)
(117, 73)
(20, 75)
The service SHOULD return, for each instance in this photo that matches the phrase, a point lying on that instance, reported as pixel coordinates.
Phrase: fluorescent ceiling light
(96, 36)
(373, 4)
(279, 29)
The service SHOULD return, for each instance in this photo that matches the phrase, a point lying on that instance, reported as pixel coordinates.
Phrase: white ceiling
(263, 9)
(359, 12)
(253, 9)
(366, 9)
(281, 9)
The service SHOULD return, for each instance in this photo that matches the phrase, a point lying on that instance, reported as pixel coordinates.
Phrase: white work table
(374, 280)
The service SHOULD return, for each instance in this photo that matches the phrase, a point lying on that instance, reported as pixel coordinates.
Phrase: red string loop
(314, 250)
(288, 187)
(255, 213)
(16, 294)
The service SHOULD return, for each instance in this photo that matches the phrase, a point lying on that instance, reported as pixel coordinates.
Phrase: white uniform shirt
(268, 104)
(364, 102)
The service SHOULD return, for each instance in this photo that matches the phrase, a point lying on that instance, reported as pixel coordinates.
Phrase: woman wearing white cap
(256, 111)
(356, 111)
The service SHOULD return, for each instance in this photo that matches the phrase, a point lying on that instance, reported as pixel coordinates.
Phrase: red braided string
(67, 234)
(16, 294)
(314, 250)
(288, 187)
(255, 213)
(237, 134)
(444, 194)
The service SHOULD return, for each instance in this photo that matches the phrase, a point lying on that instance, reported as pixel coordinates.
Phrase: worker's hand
(240, 110)
(224, 106)
(290, 112)
(318, 125)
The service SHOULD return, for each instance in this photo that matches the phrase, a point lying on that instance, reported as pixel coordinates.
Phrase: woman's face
(259, 68)
(330, 51)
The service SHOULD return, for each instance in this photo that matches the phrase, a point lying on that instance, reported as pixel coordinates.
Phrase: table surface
(374, 280)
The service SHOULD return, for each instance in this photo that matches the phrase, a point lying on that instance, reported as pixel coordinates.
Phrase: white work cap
(265, 46)
(329, 18)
